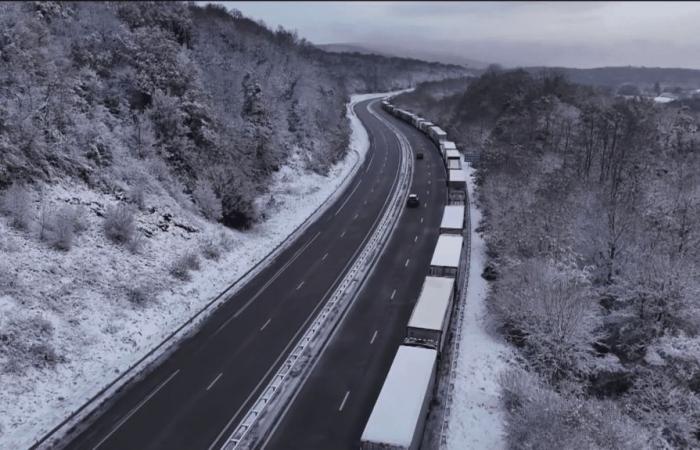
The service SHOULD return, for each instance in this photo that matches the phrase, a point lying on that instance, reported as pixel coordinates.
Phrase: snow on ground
(76, 300)
(476, 420)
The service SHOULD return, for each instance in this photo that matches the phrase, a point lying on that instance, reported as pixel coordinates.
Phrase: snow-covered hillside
(70, 323)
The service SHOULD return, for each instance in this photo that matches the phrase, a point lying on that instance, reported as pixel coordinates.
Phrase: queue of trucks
(400, 411)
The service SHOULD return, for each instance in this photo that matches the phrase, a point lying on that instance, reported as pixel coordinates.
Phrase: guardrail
(146, 362)
(299, 359)
(457, 336)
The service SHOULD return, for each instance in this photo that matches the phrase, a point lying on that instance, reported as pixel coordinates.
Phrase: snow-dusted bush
(140, 295)
(209, 204)
(540, 418)
(181, 267)
(9, 282)
(210, 249)
(16, 204)
(546, 310)
(26, 342)
(119, 225)
(137, 193)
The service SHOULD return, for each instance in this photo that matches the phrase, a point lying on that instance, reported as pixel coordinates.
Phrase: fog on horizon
(570, 34)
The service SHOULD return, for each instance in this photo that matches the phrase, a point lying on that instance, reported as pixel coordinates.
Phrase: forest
(592, 221)
(200, 97)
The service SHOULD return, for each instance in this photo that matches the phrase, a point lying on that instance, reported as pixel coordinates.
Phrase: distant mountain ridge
(388, 50)
(616, 76)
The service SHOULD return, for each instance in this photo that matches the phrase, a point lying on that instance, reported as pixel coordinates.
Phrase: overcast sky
(574, 34)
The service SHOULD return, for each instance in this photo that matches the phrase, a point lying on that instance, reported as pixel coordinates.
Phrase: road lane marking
(346, 200)
(425, 204)
(429, 182)
(136, 408)
(266, 285)
(300, 285)
(374, 336)
(393, 294)
(215, 380)
(293, 341)
(415, 239)
(345, 399)
(428, 191)
(342, 234)
(421, 220)
(407, 260)
(266, 324)
(355, 216)
(324, 257)
(369, 164)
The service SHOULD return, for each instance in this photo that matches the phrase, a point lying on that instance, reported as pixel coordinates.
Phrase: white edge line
(136, 408)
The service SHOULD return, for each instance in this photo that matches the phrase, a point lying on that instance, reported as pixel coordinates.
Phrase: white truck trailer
(452, 220)
(456, 179)
(437, 134)
(453, 159)
(445, 261)
(425, 126)
(398, 416)
(445, 146)
(430, 319)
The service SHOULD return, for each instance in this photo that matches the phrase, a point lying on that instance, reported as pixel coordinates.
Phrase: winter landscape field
(207, 238)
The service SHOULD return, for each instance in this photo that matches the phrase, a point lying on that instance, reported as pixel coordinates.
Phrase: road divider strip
(259, 422)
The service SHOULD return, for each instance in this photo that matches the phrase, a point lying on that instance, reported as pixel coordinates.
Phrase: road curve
(196, 396)
(331, 409)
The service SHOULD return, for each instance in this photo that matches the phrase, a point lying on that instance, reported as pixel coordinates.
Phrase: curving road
(194, 398)
(331, 409)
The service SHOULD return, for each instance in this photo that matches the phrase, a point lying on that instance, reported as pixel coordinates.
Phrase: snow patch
(477, 419)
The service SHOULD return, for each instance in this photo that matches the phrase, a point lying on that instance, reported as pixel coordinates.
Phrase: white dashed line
(215, 380)
(300, 285)
(393, 294)
(324, 257)
(345, 399)
(421, 220)
(342, 234)
(407, 261)
(374, 336)
(415, 239)
(266, 324)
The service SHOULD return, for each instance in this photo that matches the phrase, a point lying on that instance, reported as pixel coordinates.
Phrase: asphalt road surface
(332, 408)
(195, 398)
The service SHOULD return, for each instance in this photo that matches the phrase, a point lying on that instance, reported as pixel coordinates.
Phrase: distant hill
(350, 48)
(641, 76)
(414, 53)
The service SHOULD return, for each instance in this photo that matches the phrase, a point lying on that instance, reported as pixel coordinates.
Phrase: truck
(445, 260)
(430, 319)
(398, 416)
(452, 220)
(453, 159)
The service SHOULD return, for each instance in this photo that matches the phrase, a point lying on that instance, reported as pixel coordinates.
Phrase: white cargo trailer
(452, 219)
(445, 261)
(425, 126)
(453, 159)
(399, 414)
(445, 146)
(457, 180)
(431, 315)
(437, 134)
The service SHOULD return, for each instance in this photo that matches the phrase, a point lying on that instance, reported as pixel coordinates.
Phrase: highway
(195, 397)
(331, 409)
